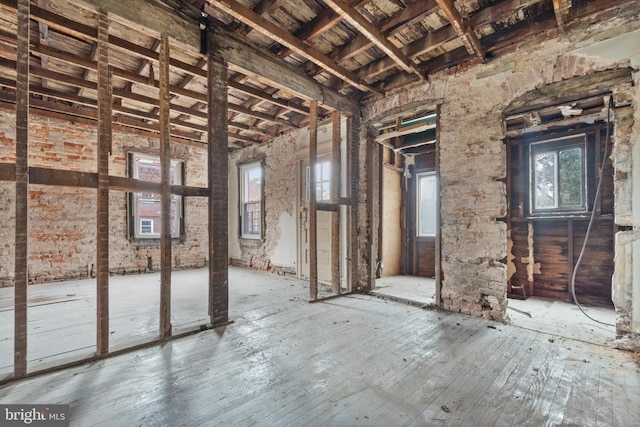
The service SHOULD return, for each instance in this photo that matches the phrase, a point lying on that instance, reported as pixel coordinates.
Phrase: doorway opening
(555, 163)
(409, 231)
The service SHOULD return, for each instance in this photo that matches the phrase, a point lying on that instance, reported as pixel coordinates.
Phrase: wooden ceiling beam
(253, 61)
(253, 129)
(259, 115)
(561, 10)
(257, 93)
(415, 12)
(462, 27)
(323, 22)
(418, 47)
(367, 29)
(269, 29)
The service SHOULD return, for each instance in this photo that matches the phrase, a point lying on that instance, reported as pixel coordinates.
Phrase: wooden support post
(353, 175)
(570, 255)
(218, 191)
(102, 204)
(373, 202)
(22, 191)
(438, 242)
(165, 195)
(336, 185)
(313, 214)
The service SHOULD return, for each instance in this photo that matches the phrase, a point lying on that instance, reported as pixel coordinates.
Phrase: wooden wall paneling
(22, 191)
(102, 219)
(218, 166)
(165, 195)
(336, 185)
(313, 214)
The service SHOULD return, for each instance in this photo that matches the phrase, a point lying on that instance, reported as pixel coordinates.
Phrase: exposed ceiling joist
(462, 27)
(561, 9)
(269, 29)
(253, 61)
(367, 29)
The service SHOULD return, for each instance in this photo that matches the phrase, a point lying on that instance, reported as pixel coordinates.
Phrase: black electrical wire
(593, 212)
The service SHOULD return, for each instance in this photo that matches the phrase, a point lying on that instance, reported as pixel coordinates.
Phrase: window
(146, 217)
(251, 195)
(558, 175)
(426, 204)
(146, 226)
(323, 181)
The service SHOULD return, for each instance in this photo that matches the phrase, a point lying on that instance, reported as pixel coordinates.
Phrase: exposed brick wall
(62, 220)
(472, 160)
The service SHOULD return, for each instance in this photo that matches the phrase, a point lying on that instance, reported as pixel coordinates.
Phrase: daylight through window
(558, 176)
(251, 200)
(146, 207)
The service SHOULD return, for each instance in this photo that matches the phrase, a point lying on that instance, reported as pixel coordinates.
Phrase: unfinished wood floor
(356, 360)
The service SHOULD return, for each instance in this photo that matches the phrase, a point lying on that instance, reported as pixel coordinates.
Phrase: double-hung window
(251, 196)
(426, 204)
(558, 179)
(145, 207)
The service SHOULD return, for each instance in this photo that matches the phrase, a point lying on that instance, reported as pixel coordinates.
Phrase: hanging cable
(593, 212)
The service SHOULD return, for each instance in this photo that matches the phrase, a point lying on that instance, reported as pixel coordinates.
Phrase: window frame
(322, 180)
(419, 176)
(555, 146)
(135, 220)
(242, 171)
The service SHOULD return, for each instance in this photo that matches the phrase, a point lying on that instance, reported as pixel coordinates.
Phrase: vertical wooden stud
(570, 255)
(218, 170)
(336, 185)
(438, 242)
(165, 195)
(353, 175)
(313, 229)
(102, 203)
(373, 201)
(22, 189)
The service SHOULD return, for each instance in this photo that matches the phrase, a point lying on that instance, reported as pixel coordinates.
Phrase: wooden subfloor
(355, 360)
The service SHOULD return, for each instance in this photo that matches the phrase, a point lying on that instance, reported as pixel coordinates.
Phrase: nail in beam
(22, 188)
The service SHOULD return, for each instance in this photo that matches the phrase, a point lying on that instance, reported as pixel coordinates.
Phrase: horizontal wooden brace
(60, 177)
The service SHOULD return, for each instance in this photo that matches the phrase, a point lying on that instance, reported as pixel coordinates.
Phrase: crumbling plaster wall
(472, 154)
(276, 251)
(62, 220)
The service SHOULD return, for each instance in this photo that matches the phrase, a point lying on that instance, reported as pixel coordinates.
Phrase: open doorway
(408, 260)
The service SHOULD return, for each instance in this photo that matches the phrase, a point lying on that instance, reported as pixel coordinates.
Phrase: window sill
(251, 241)
(581, 216)
(153, 242)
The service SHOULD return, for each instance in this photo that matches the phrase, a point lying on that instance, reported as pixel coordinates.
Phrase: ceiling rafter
(269, 29)
(561, 9)
(462, 27)
(389, 27)
(367, 29)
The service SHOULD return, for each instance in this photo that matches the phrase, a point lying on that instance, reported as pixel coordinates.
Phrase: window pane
(147, 206)
(545, 181)
(251, 201)
(571, 173)
(427, 205)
